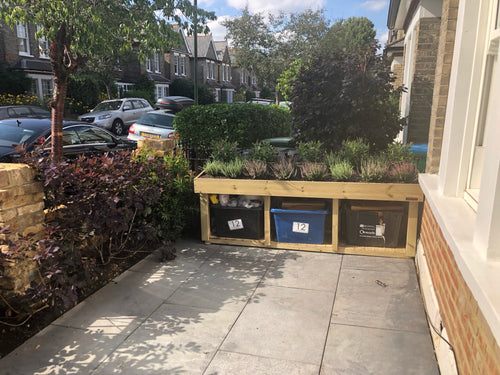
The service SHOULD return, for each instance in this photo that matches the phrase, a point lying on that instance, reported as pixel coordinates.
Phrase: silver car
(154, 124)
(118, 114)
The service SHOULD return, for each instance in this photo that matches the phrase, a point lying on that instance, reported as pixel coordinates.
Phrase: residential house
(242, 78)
(22, 51)
(458, 255)
(179, 59)
(227, 89)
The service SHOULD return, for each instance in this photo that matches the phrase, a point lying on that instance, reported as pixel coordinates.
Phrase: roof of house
(206, 48)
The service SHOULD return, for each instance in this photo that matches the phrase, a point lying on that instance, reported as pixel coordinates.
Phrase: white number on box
(235, 224)
(300, 227)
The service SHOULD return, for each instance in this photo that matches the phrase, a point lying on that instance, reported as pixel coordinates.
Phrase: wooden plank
(302, 246)
(237, 241)
(267, 221)
(204, 217)
(335, 224)
(411, 231)
(310, 189)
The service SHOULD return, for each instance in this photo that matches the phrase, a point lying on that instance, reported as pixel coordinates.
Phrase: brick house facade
(458, 255)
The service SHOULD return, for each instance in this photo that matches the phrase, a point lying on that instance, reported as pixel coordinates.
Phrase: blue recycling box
(297, 226)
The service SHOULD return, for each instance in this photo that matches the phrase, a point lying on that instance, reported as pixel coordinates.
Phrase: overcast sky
(375, 10)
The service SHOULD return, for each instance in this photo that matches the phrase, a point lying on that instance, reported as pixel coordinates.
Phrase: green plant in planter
(214, 167)
(341, 170)
(234, 168)
(225, 151)
(263, 151)
(373, 170)
(354, 151)
(285, 168)
(398, 153)
(403, 172)
(311, 151)
(256, 169)
(314, 171)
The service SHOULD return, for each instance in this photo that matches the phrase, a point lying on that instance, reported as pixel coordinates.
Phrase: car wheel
(118, 127)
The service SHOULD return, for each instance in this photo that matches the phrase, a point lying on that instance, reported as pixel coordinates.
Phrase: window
(157, 62)
(212, 65)
(183, 65)
(43, 46)
(148, 64)
(176, 65)
(47, 87)
(23, 39)
(161, 90)
(482, 120)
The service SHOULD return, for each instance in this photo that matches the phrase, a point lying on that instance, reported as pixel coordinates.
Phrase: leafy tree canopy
(80, 29)
(348, 36)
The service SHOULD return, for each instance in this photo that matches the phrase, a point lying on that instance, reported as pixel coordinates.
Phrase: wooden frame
(335, 191)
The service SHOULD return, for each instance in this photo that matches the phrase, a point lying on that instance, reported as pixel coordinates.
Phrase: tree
(346, 96)
(355, 33)
(80, 29)
(268, 44)
(184, 87)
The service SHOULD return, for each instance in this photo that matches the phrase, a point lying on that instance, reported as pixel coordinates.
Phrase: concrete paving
(232, 310)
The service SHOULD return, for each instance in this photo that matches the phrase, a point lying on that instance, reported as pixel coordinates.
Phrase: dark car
(78, 138)
(15, 111)
(174, 103)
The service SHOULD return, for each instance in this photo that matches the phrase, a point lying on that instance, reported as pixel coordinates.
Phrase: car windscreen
(155, 119)
(108, 106)
(15, 135)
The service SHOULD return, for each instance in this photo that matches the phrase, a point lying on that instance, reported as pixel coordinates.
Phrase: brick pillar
(440, 97)
(427, 36)
(476, 350)
(21, 208)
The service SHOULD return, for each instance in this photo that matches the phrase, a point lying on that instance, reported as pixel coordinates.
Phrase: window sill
(456, 220)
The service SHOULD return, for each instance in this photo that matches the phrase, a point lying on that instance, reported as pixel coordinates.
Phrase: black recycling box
(374, 225)
(237, 222)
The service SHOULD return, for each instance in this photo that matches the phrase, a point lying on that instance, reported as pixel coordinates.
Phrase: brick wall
(476, 350)
(440, 95)
(21, 208)
(427, 36)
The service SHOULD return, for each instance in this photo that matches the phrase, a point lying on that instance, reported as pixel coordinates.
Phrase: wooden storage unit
(334, 191)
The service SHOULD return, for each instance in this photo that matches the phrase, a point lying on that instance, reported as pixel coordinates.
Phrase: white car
(154, 124)
(118, 114)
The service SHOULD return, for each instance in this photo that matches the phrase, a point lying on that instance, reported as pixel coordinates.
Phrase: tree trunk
(60, 89)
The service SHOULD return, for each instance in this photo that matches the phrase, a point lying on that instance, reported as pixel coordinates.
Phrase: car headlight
(104, 117)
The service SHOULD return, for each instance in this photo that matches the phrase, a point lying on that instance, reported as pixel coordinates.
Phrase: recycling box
(374, 225)
(237, 222)
(299, 226)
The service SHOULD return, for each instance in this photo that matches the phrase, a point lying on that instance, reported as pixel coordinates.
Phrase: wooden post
(335, 225)
(411, 231)
(267, 220)
(205, 217)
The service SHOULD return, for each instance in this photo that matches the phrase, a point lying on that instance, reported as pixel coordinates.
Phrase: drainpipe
(195, 75)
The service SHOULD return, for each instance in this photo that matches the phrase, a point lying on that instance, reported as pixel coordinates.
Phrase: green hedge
(245, 124)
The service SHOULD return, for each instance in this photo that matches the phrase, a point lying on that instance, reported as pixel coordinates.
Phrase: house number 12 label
(235, 224)
(300, 227)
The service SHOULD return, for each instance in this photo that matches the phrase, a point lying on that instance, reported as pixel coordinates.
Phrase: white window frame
(212, 68)
(183, 65)
(148, 64)
(157, 62)
(176, 64)
(22, 33)
(124, 87)
(43, 46)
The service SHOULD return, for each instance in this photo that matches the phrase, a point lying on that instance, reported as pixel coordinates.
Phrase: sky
(374, 10)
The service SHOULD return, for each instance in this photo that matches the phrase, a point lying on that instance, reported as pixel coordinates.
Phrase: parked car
(155, 124)
(78, 138)
(118, 114)
(262, 101)
(174, 103)
(11, 111)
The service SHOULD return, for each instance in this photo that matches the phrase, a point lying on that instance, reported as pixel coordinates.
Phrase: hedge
(201, 126)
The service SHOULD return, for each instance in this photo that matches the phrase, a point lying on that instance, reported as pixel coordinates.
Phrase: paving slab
(361, 350)
(299, 269)
(221, 283)
(227, 363)
(174, 340)
(382, 264)
(361, 301)
(283, 323)
(60, 350)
